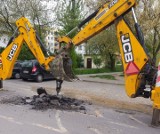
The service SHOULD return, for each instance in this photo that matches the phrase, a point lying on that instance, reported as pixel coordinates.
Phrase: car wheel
(17, 76)
(25, 79)
(39, 78)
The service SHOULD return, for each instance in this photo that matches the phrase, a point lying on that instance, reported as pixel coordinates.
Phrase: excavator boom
(28, 36)
(139, 70)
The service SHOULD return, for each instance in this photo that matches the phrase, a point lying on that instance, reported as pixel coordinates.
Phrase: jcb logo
(127, 49)
(12, 52)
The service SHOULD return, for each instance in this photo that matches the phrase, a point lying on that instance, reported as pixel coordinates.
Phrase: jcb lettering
(12, 52)
(127, 49)
(128, 57)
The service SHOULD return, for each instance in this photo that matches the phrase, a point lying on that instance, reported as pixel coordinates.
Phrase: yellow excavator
(139, 70)
(141, 75)
(24, 34)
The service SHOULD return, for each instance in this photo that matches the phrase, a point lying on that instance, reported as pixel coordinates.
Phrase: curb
(103, 82)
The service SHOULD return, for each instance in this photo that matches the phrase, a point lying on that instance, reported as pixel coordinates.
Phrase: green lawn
(109, 77)
(95, 71)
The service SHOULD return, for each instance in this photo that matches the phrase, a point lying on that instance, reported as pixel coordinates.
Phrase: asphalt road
(100, 117)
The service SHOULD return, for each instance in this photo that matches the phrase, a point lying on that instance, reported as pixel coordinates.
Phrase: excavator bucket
(61, 67)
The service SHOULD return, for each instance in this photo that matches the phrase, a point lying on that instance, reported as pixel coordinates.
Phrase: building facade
(4, 40)
(50, 40)
(81, 49)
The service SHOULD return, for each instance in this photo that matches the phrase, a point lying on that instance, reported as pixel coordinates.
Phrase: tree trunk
(112, 61)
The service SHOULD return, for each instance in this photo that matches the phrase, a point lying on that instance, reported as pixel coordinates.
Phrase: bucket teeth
(61, 68)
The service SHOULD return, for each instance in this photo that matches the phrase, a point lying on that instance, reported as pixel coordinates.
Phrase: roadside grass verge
(109, 77)
(79, 71)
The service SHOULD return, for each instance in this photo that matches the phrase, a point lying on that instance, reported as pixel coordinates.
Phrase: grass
(95, 71)
(91, 71)
(109, 77)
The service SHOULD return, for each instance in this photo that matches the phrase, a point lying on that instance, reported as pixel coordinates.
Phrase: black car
(34, 71)
(17, 69)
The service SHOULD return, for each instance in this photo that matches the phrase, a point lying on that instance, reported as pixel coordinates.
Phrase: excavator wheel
(156, 118)
(61, 67)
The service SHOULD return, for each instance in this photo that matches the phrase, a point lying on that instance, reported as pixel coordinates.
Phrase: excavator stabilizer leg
(155, 97)
(156, 118)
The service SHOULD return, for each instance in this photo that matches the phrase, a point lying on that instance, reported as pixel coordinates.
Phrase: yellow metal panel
(9, 56)
(139, 57)
(155, 97)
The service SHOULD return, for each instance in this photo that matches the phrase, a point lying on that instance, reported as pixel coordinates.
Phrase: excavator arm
(139, 71)
(26, 35)
(134, 55)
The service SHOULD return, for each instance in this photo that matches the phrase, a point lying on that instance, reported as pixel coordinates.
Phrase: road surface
(119, 116)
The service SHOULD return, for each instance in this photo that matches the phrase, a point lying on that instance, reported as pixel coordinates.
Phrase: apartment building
(4, 40)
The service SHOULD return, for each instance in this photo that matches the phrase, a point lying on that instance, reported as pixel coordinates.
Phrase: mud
(46, 101)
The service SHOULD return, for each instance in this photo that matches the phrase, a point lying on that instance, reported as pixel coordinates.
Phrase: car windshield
(17, 65)
(27, 64)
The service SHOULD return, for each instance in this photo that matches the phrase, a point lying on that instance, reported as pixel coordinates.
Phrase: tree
(25, 54)
(1, 49)
(69, 15)
(35, 10)
(79, 61)
(97, 61)
(105, 45)
(94, 4)
(149, 18)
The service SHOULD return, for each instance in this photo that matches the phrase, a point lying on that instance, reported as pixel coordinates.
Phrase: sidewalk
(119, 79)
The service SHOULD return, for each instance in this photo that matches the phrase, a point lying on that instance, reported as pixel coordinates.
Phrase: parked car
(17, 69)
(34, 71)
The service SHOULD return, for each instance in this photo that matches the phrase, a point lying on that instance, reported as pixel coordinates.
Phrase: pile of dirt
(44, 101)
